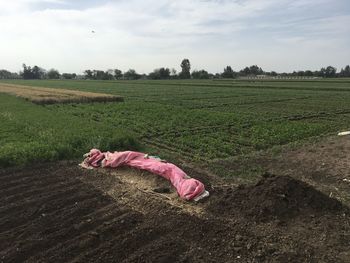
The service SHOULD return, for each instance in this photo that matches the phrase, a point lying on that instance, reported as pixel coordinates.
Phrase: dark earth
(58, 212)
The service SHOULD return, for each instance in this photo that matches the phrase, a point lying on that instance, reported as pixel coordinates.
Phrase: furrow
(101, 231)
(22, 187)
(26, 205)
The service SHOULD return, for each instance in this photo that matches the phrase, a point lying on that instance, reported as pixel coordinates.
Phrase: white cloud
(149, 34)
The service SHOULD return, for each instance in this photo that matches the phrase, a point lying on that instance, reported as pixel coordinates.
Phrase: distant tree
(161, 73)
(69, 75)
(142, 76)
(255, 70)
(38, 72)
(228, 72)
(27, 72)
(345, 72)
(99, 74)
(185, 69)
(301, 73)
(245, 71)
(329, 72)
(200, 74)
(89, 74)
(323, 72)
(252, 70)
(118, 74)
(308, 73)
(317, 73)
(53, 74)
(32, 73)
(108, 74)
(164, 73)
(153, 75)
(173, 73)
(294, 73)
(273, 73)
(131, 74)
(5, 74)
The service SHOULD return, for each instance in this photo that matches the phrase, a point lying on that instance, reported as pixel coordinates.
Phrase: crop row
(198, 122)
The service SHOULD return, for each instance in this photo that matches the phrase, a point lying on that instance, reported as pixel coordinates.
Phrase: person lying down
(187, 187)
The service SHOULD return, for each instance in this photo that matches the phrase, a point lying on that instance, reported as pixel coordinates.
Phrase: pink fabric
(187, 188)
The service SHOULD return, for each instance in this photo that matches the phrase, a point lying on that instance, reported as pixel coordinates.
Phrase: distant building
(267, 77)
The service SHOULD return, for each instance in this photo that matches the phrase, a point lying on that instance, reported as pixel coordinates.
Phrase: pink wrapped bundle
(188, 188)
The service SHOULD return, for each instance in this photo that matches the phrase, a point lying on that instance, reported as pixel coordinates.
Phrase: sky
(279, 35)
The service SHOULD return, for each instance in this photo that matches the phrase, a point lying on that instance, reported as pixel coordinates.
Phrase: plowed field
(61, 213)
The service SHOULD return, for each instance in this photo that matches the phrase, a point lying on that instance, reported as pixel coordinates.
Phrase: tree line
(37, 72)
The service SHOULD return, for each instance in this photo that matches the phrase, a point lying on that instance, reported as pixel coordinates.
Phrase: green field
(197, 121)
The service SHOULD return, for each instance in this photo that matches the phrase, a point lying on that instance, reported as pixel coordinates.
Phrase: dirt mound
(274, 197)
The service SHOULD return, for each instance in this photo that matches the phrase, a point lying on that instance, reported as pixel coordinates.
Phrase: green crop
(195, 120)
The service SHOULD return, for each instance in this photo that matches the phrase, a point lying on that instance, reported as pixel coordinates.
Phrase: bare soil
(62, 213)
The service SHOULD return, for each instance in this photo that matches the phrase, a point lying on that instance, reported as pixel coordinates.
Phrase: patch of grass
(199, 121)
(30, 133)
(40, 95)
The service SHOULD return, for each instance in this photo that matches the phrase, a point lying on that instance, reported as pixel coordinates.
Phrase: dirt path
(61, 213)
